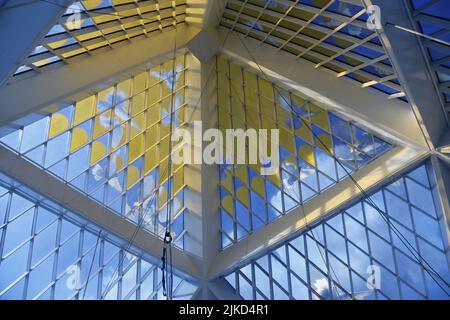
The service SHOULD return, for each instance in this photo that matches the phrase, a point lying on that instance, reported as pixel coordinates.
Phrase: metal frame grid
(113, 146)
(433, 19)
(329, 260)
(248, 200)
(331, 34)
(47, 252)
(102, 24)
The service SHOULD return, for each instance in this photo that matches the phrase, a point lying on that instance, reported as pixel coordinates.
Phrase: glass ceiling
(433, 19)
(44, 247)
(331, 34)
(248, 200)
(114, 145)
(90, 25)
(330, 260)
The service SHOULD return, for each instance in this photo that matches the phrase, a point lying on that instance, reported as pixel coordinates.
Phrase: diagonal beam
(411, 64)
(344, 193)
(49, 186)
(23, 24)
(389, 118)
(79, 79)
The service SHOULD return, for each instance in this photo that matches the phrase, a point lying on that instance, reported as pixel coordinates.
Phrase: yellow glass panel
(121, 112)
(91, 4)
(132, 176)
(258, 185)
(242, 195)
(137, 125)
(304, 132)
(154, 75)
(165, 106)
(180, 115)
(265, 88)
(140, 83)
(236, 74)
(224, 119)
(228, 205)
(267, 123)
(153, 114)
(136, 148)
(267, 107)
(284, 118)
(79, 138)
(164, 147)
(58, 124)
(222, 64)
(152, 136)
(105, 18)
(181, 80)
(154, 94)
(151, 159)
(256, 167)
(223, 99)
(241, 173)
(319, 117)
(180, 61)
(59, 43)
(250, 80)
(306, 153)
(163, 194)
(163, 171)
(325, 143)
(227, 182)
(102, 123)
(84, 110)
(223, 82)
(119, 136)
(237, 108)
(287, 140)
(118, 163)
(123, 90)
(88, 36)
(275, 178)
(105, 99)
(178, 181)
(98, 151)
(164, 128)
(138, 104)
(296, 100)
(253, 119)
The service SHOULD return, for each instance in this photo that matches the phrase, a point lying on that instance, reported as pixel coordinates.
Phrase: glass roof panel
(113, 146)
(51, 253)
(309, 138)
(330, 34)
(336, 257)
(90, 24)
